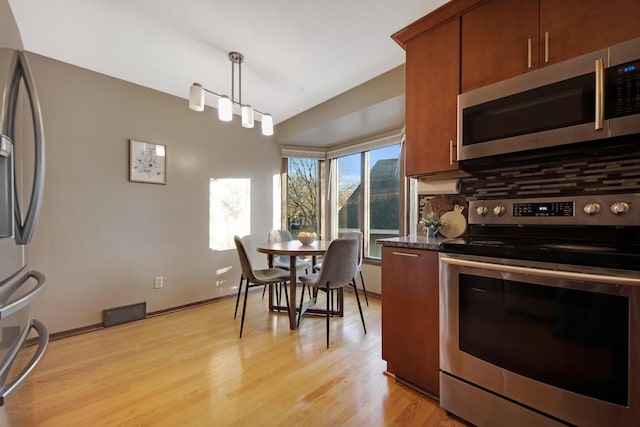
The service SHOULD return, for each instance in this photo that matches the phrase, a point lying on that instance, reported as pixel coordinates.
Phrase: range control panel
(610, 210)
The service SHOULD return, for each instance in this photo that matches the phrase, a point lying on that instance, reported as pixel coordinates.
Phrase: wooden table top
(294, 248)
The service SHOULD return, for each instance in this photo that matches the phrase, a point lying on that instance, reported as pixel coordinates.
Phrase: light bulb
(196, 97)
(225, 109)
(247, 116)
(267, 124)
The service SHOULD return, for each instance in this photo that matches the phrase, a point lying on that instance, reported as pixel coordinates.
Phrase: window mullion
(366, 201)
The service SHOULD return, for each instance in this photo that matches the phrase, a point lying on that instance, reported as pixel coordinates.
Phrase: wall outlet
(158, 282)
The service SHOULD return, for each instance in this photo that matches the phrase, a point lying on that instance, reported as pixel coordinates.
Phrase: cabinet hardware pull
(406, 254)
(451, 146)
(599, 93)
(529, 53)
(484, 291)
(546, 47)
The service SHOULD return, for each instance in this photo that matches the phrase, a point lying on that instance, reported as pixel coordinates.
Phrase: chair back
(245, 263)
(357, 235)
(339, 265)
(276, 236)
(279, 236)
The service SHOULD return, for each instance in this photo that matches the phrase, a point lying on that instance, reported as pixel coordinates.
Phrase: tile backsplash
(594, 168)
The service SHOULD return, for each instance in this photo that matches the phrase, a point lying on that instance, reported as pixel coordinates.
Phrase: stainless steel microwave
(591, 97)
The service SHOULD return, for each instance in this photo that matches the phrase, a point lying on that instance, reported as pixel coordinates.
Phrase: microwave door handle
(599, 94)
(24, 231)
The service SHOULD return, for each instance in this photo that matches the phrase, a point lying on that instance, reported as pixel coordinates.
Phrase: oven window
(574, 340)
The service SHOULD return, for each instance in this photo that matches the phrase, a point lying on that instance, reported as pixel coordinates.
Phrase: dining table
(294, 249)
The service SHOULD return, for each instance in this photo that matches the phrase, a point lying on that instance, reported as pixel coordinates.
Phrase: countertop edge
(413, 242)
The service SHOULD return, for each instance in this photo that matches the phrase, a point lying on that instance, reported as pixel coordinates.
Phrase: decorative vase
(431, 232)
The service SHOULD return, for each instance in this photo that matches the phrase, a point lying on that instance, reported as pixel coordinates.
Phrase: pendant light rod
(232, 101)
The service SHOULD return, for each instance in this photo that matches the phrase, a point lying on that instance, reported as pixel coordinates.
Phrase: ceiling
(298, 53)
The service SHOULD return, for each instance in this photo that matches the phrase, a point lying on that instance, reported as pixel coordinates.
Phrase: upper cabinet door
(432, 87)
(499, 40)
(571, 28)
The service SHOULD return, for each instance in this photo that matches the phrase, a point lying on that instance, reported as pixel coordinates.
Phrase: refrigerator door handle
(24, 230)
(43, 342)
(6, 310)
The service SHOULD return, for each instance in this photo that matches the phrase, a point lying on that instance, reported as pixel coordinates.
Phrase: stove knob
(592, 208)
(482, 210)
(620, 208)
(499, 210)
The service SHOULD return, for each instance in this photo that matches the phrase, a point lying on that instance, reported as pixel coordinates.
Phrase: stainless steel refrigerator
(21, 186)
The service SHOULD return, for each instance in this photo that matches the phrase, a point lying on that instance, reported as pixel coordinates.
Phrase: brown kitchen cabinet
(505, 38)
(495, 41)
(577, 27)
(467, 44)
(432, 87)
(410, 331)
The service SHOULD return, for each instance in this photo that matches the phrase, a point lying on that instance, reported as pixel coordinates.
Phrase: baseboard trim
(96, 327)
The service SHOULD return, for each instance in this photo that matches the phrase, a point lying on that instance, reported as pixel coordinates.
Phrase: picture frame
(147, 162)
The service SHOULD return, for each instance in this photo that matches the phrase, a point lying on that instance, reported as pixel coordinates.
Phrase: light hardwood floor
(189, 368)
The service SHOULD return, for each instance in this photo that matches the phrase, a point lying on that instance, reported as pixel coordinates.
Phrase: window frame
(328, 186)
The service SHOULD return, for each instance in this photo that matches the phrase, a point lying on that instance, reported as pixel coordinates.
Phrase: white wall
(100, 239)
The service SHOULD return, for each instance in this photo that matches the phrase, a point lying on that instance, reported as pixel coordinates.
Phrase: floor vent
(126, 313)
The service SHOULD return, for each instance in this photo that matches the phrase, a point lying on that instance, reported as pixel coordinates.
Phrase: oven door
(561, 340)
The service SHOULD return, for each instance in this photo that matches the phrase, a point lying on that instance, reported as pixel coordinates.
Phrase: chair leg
(327, 314)
(286, 295)
(244, 307)
(238, 297)
(364, 288)
(264, 290)
(359, 306)
(306, 271)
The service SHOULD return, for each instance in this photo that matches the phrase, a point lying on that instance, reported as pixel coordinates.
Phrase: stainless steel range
(540, 313)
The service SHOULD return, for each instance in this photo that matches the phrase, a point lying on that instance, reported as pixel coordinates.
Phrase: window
(302, 195)
(384, 196)
(360, 190)
(349, 180)
(368, 195)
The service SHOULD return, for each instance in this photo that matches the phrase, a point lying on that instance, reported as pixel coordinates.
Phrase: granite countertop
(414, 242)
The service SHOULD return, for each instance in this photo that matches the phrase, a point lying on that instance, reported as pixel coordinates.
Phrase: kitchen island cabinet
(502, 38)
(410, 318)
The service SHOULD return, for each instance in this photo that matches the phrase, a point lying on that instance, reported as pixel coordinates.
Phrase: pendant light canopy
(225, 104)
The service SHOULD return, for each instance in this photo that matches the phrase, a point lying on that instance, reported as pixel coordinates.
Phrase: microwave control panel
(623, 89)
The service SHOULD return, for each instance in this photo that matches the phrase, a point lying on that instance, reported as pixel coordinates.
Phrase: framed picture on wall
(147, 162)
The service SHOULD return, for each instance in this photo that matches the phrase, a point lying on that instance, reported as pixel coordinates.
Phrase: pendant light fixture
(225, 104)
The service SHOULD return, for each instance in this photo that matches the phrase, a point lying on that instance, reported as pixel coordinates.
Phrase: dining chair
(284, 261)
(354, 235)
(338, 270)
(259, 277)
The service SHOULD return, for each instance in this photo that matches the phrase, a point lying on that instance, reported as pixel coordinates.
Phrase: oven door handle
(567, 275)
